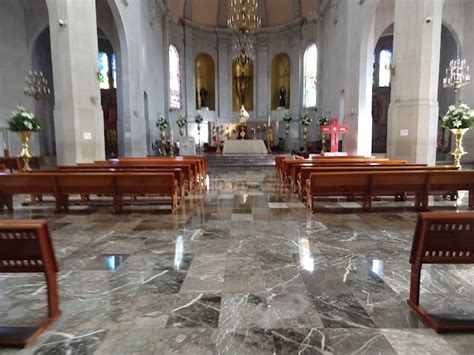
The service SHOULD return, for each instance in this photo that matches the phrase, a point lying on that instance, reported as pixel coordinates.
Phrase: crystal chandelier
(243, 52)
(457, 75)
(36, 85)
(244, 17)
(244, 20)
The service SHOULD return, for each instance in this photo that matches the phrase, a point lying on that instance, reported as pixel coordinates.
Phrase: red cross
(334, 129)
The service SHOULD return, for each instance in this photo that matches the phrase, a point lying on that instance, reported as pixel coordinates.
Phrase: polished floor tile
(243, 268)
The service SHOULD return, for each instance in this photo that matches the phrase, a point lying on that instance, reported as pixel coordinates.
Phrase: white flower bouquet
(458, 116)
(22, 120)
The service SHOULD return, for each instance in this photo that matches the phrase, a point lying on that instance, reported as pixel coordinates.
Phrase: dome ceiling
(214, 13)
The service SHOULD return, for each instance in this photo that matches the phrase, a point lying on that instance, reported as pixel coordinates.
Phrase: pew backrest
(25, 246)
(442, 237)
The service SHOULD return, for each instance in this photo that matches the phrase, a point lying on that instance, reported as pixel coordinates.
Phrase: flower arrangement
(198, 119)
(306, 120)
(181, 122)
(459, 116)
(323, 120)
(287, 117)
(22, 120)
(162, 123)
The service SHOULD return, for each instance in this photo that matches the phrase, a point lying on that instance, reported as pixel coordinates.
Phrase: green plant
(323, 120)
(198, 119)
(458, 116)
(181, 121)
(162, 123)
(23, 120)
(287, 117)
(306, 119)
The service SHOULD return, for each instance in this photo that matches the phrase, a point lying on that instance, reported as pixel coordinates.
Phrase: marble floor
(241, 269)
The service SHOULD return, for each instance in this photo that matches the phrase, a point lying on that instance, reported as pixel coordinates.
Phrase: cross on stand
(334, 129)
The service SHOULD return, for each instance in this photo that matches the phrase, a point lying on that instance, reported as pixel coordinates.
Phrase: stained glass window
(114, 70)
(175, 76)
(104, 71)
(310, 65)
(384, 68)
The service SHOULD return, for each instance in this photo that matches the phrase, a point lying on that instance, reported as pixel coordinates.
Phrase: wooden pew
(288, 165)
(305, 172)
(26, 247)
(61, 185)
(189, 177)
(2, 168)
(368, 184)
(178, 172)
(440, 238)
(16, 164)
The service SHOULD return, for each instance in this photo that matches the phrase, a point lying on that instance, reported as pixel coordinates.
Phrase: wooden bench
(368, 184)
(2, 168)
(61, 185)
(288, 165)
(26, 247)
(178, 173)
(440, 238)
(305, 172)
(16, 164)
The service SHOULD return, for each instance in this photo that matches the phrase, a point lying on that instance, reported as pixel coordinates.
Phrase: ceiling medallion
(245, 21)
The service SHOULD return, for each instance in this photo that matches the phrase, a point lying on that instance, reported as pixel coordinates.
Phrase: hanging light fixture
(245, 21)
(457, 75)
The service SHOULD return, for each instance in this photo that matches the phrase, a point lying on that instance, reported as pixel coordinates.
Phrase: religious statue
(282, 97)
(203, 94)
(241, 84)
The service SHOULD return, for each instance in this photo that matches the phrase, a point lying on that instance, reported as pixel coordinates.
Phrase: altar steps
(240, 161)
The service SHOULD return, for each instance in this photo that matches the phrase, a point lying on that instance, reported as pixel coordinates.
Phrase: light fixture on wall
(245, 21)
(457, 75)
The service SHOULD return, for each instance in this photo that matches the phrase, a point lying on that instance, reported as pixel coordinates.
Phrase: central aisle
(244, 269)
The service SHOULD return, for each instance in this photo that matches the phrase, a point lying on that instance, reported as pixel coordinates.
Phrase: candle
(269, 121)
(172, 137)
(4, 146)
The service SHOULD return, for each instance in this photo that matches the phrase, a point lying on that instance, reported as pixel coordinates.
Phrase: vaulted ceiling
(214, 13)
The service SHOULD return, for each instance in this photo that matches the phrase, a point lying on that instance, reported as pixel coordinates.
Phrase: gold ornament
(458, 149)
(25, 149)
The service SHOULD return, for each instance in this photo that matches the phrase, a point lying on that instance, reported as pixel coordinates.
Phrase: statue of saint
(203, 94)
(282, 97)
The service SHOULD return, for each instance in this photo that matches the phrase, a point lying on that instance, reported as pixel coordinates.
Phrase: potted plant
(305, 121)
(287, 118)
(459, 119)
(181, 122)
(24, 123)
(323, 121)
(162, 124)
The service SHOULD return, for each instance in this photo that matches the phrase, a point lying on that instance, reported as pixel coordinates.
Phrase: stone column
(224, 77)
(78, 117)
(413, 112)
(262, 76)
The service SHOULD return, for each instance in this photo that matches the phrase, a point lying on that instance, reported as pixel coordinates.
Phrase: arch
(205, 79)
(281, 69)
(41, 60)
(174, 64)
(310, 76)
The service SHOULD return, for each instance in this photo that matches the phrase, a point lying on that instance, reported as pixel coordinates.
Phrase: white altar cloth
(251, 146)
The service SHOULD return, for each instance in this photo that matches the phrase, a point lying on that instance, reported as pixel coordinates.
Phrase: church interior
(236, 177)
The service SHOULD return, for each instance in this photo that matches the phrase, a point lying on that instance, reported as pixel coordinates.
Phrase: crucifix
(334, 129)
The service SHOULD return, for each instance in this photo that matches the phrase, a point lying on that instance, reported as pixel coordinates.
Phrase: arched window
(310, 65)
(175, 76)
(385, 61)
(104, 82)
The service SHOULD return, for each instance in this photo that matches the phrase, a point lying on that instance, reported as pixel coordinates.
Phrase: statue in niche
(203, 94)
(241, 84)
(282, 97)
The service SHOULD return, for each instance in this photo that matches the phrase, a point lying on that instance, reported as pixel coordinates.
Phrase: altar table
(251, 146)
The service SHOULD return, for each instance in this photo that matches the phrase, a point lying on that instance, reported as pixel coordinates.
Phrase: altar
(250, 146)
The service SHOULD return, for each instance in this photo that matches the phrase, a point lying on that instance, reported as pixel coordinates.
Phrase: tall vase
(181, 131)
(25, 149)
(199, 138)
(323, 143)
(458, 149)
(287, 131)
(163, 142)
(305, 133)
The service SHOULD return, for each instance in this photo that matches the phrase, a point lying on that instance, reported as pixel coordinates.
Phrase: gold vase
(25, 149)
(305, 133)
(458, 149)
